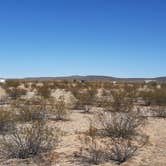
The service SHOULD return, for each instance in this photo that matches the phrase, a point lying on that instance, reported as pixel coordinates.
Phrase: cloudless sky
(122, 38)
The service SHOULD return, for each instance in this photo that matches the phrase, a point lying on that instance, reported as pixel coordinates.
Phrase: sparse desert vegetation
(82, 123)
(83, 82)
(28, 141)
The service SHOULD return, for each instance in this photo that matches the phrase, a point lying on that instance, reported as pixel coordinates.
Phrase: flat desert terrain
(86, 116)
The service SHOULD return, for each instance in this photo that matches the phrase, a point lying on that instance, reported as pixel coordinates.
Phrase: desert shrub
(120, 125)
(44, 91)
(33, 85)
(26, 85)
(31, 113)
(6, 121)
(59, 109)
(29, 110)
(28, 141)
(85, 93)
(15, 93)
(95, 154)
(85, 98)
(58, 84)
(82, 100)
(123, 121)
(92, 130)
(96, 151)
(131, 91)
(116, 144)
(163, 85)
(69, 98)
(107, 85)
(91, 150)
(160, 112)
(122, 102)
(155, 97)
(120, 151)
(104, 102)
(152, 84)
(12, 83)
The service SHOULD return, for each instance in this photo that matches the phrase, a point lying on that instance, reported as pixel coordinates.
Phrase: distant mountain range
(98, 78)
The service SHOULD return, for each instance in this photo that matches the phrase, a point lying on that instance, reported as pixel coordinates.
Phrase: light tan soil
(152, 154)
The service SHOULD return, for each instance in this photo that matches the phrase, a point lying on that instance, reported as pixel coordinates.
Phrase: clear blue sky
(123, 38)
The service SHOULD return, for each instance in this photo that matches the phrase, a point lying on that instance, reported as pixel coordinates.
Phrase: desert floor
(152, 154)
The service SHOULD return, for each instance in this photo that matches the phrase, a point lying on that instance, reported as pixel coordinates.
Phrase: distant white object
(148, 81)
(2, 81)
(158, 87)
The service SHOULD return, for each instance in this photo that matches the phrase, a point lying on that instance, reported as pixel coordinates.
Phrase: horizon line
(81, 76)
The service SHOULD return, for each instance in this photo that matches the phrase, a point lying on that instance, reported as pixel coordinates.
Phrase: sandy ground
(152, 154)
(2, 92)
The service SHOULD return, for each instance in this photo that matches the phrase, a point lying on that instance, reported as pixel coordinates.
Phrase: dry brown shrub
(59, 110)
(31, 113)
(7, 120)
(12, 83)
(97, 150)
(29, 110)
(28, 141)
(123, 125)
(120, 151)
(15, 93)
(91, 150)
(44, 91)
(155, 97)
(160, 112)
(112, 137)
(122, 102)
(86, 97)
